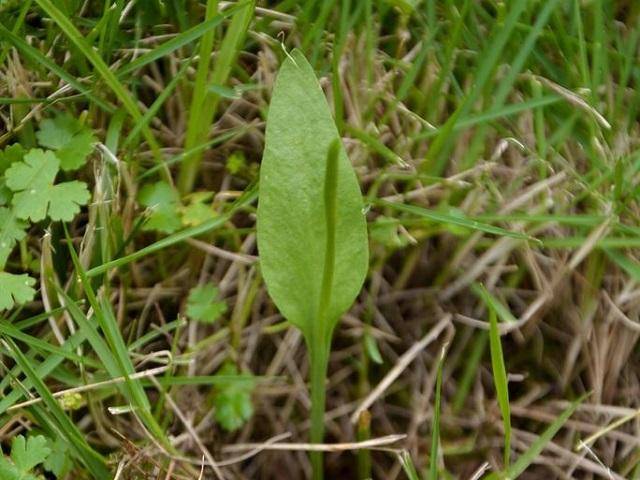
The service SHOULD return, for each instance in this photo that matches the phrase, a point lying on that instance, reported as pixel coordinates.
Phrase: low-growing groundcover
(407, 230)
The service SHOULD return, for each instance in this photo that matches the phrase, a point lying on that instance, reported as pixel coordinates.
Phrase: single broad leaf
(312, 234)
(15, 289)
(35, 194)
(27, 454)
(232, 399)
(311, 226)
(71, 140)
(163, 203)
(203, 304)
(12, 230)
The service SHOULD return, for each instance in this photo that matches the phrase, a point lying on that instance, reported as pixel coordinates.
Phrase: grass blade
(181, 40)
(102, 68)
(76, 440)
(435, 425)
(500, 381)
(35, 56)
(460, 221)
(204, 102)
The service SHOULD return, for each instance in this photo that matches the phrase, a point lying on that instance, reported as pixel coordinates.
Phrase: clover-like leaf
(15, 289)
(25, 456)
(71, 140)
(232, 400)
(12, 230)
(35, 194)
(203, 304)
(163, 203)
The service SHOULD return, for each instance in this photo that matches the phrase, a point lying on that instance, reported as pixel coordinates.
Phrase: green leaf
(494, 303)
(384, 230)
(202, 304)
(198, 209)
(435, 428)
(372, 348)
(457, 219)
(72, 141)
(12, 230)
(312, 233)
(36, 196)
(15, 289)
(500, 381)
(10, 155)
(163, 202)
(59, 460)
(236, 162)
(232, 400)
(533, 452)
(25, 455)
(292, 210)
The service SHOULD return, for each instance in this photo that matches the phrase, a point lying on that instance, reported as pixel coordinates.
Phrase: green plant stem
(319, 362)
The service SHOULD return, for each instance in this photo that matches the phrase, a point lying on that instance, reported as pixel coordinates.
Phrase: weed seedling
(312, 234)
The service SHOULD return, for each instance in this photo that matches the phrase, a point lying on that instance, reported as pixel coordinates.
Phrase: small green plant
(312, 234)
(167, 213)
(202, 304)
(25, 456)
(232, 398)
(30, 193)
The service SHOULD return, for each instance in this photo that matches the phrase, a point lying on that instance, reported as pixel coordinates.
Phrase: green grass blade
(407, 465)
(42, 370)
(460, 221)
(113, 352)
(533, 452)
(624, 262)
(204, 102)
(101, 67)
(155, 106)
(179, 41)
(500, 381)
(246, 199)
(94, 462)
(493, 303)
(35, 56)
(437, 154)
(435, 423)
(8, 330)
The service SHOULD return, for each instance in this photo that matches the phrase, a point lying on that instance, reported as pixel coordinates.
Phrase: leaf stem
(319, 361)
